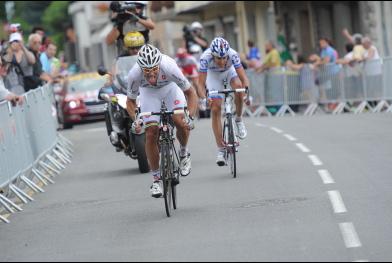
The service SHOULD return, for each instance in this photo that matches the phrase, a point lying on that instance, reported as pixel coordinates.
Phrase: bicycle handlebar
(228, 91)
(176, 112)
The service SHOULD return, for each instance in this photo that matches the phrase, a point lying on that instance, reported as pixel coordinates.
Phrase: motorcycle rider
(133, 41)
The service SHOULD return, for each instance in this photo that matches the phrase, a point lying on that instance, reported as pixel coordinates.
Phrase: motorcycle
(118, 122)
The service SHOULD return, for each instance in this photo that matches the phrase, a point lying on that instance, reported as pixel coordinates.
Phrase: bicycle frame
(170, 161)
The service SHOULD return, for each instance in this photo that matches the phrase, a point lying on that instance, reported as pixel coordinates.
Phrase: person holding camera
(128, 17)
(6, 95)
(21, 61)
(193, 37)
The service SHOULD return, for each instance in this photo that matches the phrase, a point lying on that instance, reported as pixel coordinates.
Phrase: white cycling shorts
(215, 81)
(150, 101)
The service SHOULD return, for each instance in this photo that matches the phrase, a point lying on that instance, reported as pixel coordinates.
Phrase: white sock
(183, 151)
(156, 175)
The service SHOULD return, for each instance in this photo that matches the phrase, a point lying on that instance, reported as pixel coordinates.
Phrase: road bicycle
(230, 137)
(169, 158)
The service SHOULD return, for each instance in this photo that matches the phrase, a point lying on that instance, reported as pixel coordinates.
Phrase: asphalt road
(308, 189)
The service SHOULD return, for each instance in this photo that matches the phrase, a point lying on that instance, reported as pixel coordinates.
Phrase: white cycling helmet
(196, 25)
(143, 3)
(220, 47)
(149, 57)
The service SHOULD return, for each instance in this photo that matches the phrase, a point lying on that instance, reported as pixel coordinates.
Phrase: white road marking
(303, 148)
(276, 130)
(337, 202)
(350, 236)
(261, 125)
(326, 177)
(315, 160)
(290, 138)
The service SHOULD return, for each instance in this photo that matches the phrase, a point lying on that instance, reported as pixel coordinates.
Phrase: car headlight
(73, 104)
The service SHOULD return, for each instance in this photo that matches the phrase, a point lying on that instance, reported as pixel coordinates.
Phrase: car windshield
(124, 65)
(86, 83)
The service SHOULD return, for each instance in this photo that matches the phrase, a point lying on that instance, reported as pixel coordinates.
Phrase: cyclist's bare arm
(201, 85)
(242, 75)
(131, 108)
(191, 97)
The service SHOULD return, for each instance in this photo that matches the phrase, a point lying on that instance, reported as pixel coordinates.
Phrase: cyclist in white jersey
(221, 63)
(157, 78)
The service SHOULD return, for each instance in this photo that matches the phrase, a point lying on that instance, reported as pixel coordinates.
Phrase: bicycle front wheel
(231, 148)
(166, 175)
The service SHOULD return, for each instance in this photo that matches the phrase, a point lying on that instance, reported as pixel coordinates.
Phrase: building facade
(304, 22)
(92, 25)
(300, 23)
(237, 21)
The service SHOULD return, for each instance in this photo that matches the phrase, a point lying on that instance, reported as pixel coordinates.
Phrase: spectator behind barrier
(44, 39)
(4, 93)
(47, 59)
(20, 70)
(307, 76)
(272, 59)
(253, 58)
(35, 43)
(356, 40)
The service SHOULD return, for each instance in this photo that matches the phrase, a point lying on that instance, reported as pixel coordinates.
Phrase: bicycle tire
(174, 196)
(140, 142)
(177, 174)
(166, 178)
(232, 148)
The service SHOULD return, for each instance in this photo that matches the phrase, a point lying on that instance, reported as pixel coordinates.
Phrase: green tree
(55, 18)
(2, 11)
(29, 13)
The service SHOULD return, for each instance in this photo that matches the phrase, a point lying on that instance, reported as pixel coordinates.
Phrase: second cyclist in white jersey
(157, 78)
(221, 63)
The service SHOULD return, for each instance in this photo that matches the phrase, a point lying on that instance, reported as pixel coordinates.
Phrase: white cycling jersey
(207, 63)
(169, 73)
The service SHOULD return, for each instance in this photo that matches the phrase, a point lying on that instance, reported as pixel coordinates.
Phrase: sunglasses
(134, 48)
(218, 58)
(148, 71)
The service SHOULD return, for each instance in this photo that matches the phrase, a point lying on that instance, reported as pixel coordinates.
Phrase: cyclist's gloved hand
(190, 122)
(247, 98)
(203, 104)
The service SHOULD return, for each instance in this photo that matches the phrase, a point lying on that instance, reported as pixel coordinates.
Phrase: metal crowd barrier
(357, 88)
(31, 150)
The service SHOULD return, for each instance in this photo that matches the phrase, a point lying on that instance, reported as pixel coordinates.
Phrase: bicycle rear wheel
(166, 175)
